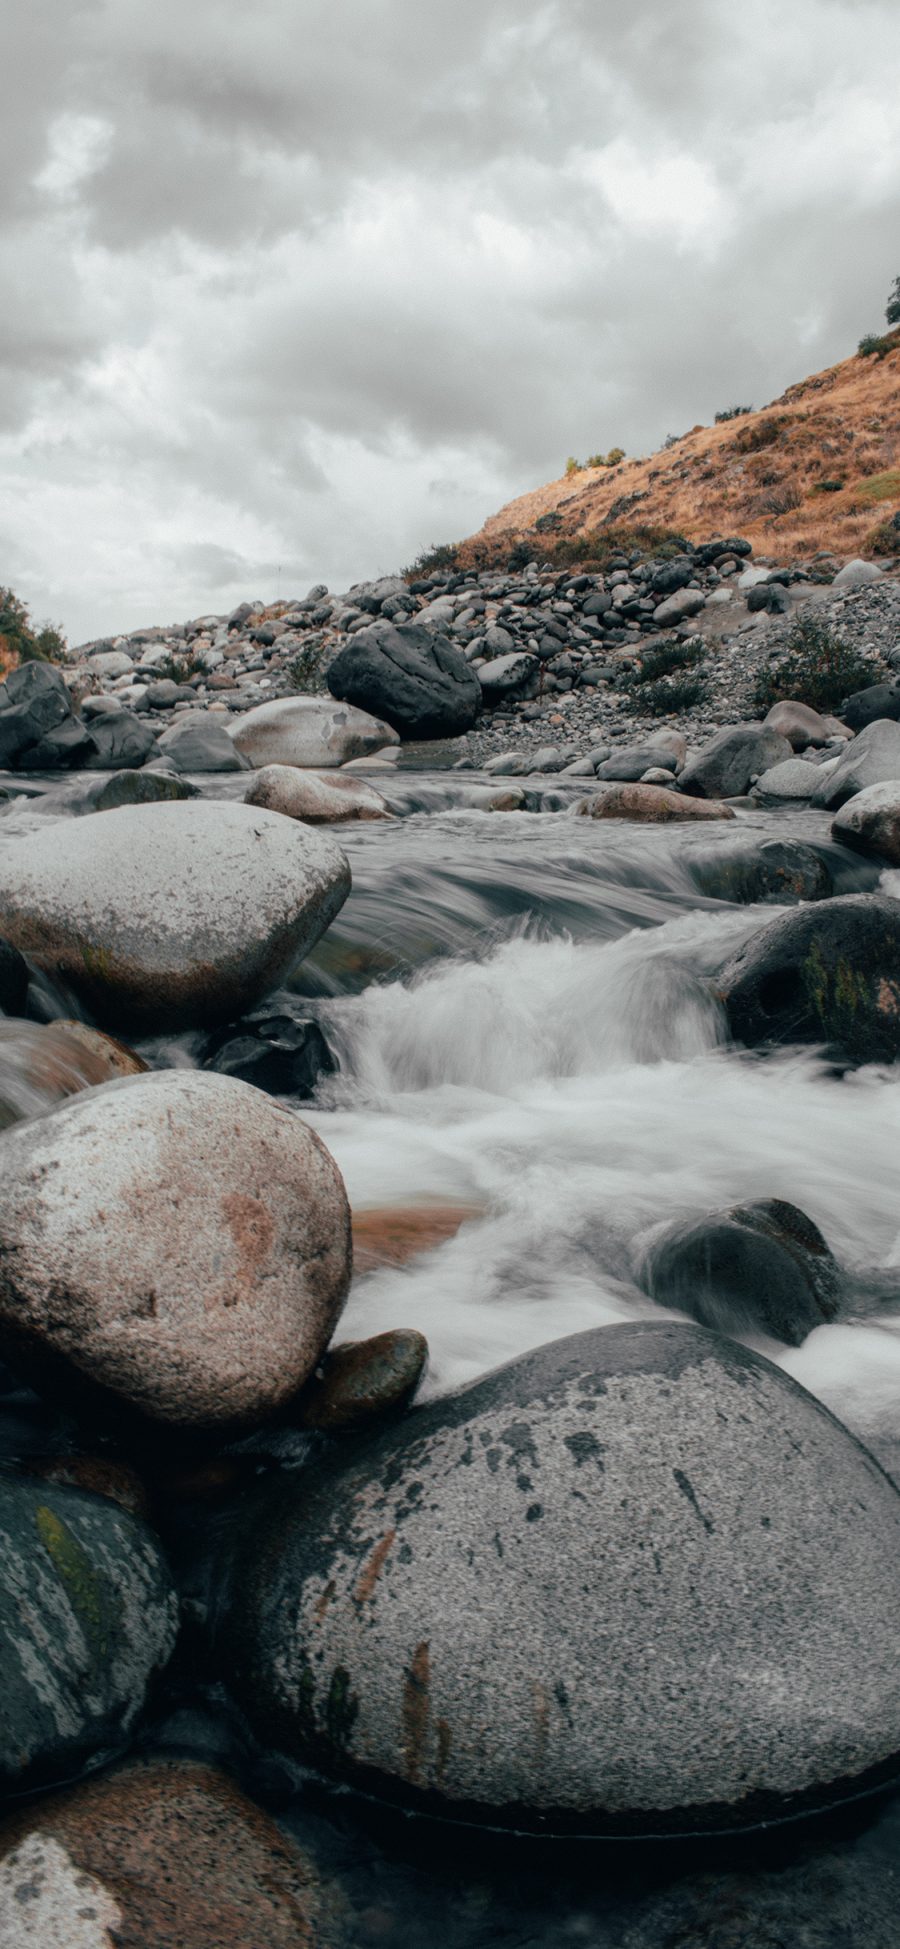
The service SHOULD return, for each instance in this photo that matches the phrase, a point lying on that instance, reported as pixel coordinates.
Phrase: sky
(293, 291)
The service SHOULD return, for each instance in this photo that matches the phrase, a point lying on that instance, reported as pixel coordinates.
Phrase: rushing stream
(526, 1029)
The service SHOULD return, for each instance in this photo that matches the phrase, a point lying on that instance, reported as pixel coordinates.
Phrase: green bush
(818, 668)
(827, 487)
(573, 466)
(306, 671)
(433, 561)
(875, 346)
(610, 459)
(673, 694)
(732, 413)
(18, 636)
(666, 659)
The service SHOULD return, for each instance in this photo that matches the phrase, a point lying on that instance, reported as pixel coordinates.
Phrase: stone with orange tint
(363, 1380)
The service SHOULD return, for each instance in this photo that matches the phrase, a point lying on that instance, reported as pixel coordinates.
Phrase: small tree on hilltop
(892, 313)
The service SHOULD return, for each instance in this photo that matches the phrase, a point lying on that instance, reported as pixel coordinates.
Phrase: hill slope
(819, 468)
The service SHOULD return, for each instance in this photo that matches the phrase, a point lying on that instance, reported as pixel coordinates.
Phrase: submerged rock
(637, 1580)
(828, 973)
(416, 680)
(780, 871)
(139, 788)
(88, 1615)
(307, 795)
(870, 822)
(364, 1380)
(311, 732)
(159, 1854)
(40, 1064)
(278, 1054)
(174, 1248)
(729, 763)
(163, 916)
(757, 1267)
(651, 804)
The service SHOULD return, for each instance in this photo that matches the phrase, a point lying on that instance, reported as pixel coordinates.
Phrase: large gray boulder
(34, 703)
(174, 1249)
(510, 676)
(762, 1267)
(88, 1616)
(121, 741)
(870, 822)
(867, 706)
(317, 799)
(167, 916)
(417, 681)
(733, 758)
(628, 764)
(311, 732)
(638, 1580)
(198, 741)
(800, 724)
(793, 778)
(828, 973)
(870, 758)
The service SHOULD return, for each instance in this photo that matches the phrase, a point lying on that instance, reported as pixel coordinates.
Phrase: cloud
(311, 288)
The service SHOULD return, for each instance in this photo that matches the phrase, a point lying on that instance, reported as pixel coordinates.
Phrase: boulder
(363, 1381)
(629, 763)
(41, 1063)
(876, 701)
(317, 800)
(637, 1581)
(417, 681)
(870, 822)
(13, 979)
(311, 732)
(508, 677)
(857, 575)
(138, 788)
(121, 741)
(761, 1267)
(108, 664)
(68, 745)
(277, 1054)
(34, 700)
(780, 871)
(676, 608)
(166, 916)
(733, 758)
(799, 723)
(156, 1855)
(651, 804)
(198, 741)
(793, 778)
(174, 1249)
(88, 1616)
(829, 973)
(871, 758)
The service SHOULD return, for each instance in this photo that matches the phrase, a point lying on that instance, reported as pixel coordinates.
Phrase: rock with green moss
(829, 973)
(88, 1616)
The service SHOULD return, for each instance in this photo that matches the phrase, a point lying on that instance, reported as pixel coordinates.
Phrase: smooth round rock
(874, 704)
(799, 723)
(138, 788)
(198, 742)
(88, 1615)
(780, 871)
(870, 822)
(364, 1380)
(40, 1064)
(307, 795)
(761, 1267)
(635, 1581)
(159, 1854)
(628, 764)
(792, 779)
(828, 973)
(728, 764)
(651, 804)
(312, 732)
(166, 916)
(174, 1248)
(871, 758)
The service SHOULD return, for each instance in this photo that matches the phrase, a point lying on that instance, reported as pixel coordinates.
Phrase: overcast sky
(296, 289)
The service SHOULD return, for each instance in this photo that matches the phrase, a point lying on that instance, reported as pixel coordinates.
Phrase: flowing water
(524, 1013)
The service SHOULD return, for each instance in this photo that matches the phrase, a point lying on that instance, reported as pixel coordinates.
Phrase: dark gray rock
(727, 766)
(87, 1617)
(876, 701)
(508, 677)
(629, 764)
(757, 1267)
(828, 973)
(199, 742)
(138, 788)
(780, 871)
(13, 980)
(68, 745)
(638, 1580)
(769, 596)
(416, 681)
(278, 1054)
(121, 742)
(34, 700)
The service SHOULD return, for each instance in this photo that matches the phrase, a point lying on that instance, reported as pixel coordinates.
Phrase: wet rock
(174, 1248)
(792, 779)
(41, 1064)
(780, 871)
(121, 742)
(364, 1380)
(867, 706)
(139, 788)
(199, 742)
(871, 758)
(13, 979)
(280, 1055)
(159, 1854)
(828, 973)
(629, 764)
(620, 1584)
(162, 916)
(415, 680)
(799, 723)
(311, 732)
(88, 1616)
(651, 804)
(316, 799)
(728, 765)
(99, 1477)
(758, 1267)
(870, 822)
(394, 1234)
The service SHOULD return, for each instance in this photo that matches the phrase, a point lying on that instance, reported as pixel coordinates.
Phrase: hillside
(818, 468)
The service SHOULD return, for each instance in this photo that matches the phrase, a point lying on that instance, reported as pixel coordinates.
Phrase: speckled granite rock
(829, 973)
(637, 1580)
(87, 1616)
(308, 731)
(174, 1248)
(315, 798)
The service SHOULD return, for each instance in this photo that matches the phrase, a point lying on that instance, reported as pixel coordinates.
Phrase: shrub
(306, 671)
(19, 639)
(673, 694)
(610, 459)
(879, 487)
(818, 667)
(573, 466)
(666, 659)
(433, 561)
(885, 539)
(178, 669)
(751, 439)
(827, 487)
(892, 313)
(874, 346)
(732, 413)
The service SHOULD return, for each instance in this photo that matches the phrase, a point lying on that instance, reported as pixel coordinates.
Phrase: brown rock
(396, 1233)
(314, 797)
(364, 1380)
(114, 1480)
(40, 1064)
(651, 804)
(165, 1854)
(800, 724)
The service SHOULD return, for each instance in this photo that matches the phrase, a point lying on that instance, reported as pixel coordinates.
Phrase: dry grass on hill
(819, 468)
